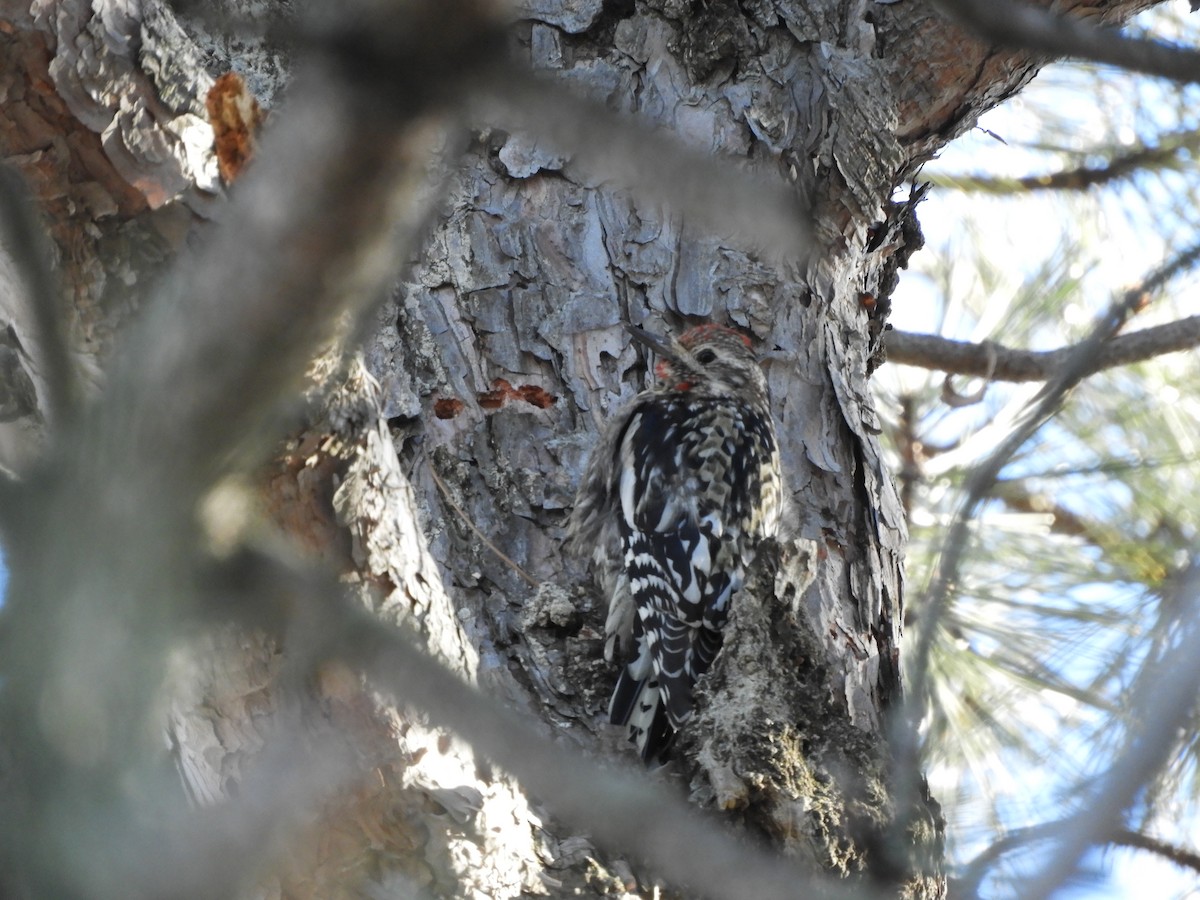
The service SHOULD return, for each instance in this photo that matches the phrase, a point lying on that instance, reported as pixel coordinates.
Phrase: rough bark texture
(438, 474)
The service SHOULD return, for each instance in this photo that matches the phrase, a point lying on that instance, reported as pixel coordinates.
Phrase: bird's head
(707, 360)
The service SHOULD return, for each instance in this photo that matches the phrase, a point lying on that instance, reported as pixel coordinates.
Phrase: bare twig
(978, 868)
(993, 361)
(1165, 155)
(1033, 28)
(466, 520)
(968, 885)
(989, 360)
(950, 395)
(1018, 498)
(1181, 856)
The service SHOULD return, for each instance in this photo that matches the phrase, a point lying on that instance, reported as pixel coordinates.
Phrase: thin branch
(978, 868)
(1181, 856)
(1032, 28)
(968, 885)
(1119, 464)
(466, 520)
(987, 359)
(23, 236)
(1163, 156)
(1018, 498)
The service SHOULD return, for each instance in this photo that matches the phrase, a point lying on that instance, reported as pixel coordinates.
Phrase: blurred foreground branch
(759, 208)
(1018, 24)
(1164, 697)
(622, 810)
(22, 237)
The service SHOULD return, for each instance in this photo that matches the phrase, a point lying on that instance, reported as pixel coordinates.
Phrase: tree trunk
(436, 470)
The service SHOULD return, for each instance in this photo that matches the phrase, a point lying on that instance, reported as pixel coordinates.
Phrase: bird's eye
(704, 357)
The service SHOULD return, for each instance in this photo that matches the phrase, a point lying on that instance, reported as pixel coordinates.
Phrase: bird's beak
(652, 341)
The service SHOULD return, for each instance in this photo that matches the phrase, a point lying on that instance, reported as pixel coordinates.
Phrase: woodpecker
(683, 485)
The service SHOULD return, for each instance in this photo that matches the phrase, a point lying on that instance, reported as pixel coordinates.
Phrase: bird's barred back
(686, 485)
